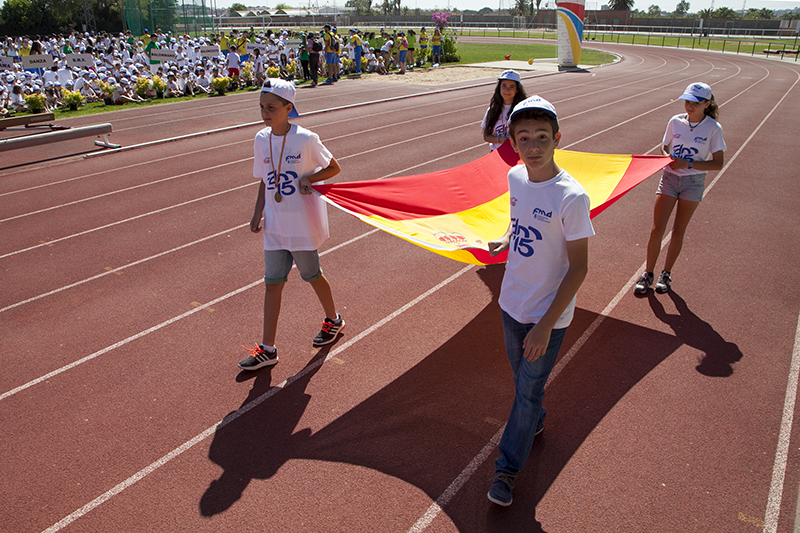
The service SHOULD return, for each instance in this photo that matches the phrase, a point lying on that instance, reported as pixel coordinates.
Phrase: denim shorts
(278, 264)
(682, 187)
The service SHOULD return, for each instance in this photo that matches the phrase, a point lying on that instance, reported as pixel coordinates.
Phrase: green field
(741, 45)
(483, 53)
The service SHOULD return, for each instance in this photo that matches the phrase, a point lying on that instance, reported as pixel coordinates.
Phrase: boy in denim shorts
(288, 159)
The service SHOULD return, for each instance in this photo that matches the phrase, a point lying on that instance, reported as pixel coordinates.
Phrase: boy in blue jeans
(288, 159)
(547, 242)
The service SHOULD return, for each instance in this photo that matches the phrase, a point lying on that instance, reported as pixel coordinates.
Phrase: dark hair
(712, 110)
(496, 106)
(532, 114)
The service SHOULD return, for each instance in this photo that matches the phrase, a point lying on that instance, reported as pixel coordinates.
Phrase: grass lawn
(482, 53)
(99, 107)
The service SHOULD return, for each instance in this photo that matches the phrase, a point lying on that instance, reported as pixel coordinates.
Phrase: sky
(666, 5)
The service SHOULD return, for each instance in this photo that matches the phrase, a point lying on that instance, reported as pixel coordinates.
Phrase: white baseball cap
(696, 92)
(509, 75)
(284, 89)
(535, 102)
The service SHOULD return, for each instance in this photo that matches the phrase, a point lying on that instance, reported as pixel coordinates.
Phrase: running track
(130, 280)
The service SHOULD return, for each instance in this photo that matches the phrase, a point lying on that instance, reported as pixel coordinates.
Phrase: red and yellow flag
(457, 212)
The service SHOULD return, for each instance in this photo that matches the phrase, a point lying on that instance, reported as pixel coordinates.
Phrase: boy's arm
(330, 171)
(537, 339)
(258, 213)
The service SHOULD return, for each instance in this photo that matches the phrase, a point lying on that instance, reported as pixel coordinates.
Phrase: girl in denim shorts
(694, 142)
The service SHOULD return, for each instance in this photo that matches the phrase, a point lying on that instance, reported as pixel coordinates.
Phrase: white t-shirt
(233, 60)
(500, 127)
(544, 216)
(258, 64)
(697, 145)
(299, 222)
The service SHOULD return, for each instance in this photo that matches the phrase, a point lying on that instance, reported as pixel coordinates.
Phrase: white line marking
(126, 189)
(141, 474)
(118, 222)
(159, 326)
(116, 170)
(123, 267)
(782, 452)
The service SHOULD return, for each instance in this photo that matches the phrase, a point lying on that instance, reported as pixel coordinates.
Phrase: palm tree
(621, 5)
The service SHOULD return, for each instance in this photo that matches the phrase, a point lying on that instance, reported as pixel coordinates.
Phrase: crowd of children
(123, 70)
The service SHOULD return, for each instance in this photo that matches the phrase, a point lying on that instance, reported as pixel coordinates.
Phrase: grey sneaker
(662, 285)
(259, 358)
(500, 491)
(644, 283)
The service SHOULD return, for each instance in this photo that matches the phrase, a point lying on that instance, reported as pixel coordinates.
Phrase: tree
(653, 11)
(726, 13)
(523, 7)
(766, 14)
(21, 16)
(682, 8)
(236, 6)
(706, 13)
(620, 5)
(360, 6)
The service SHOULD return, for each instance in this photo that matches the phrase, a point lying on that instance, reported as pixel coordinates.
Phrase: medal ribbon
(280, 161)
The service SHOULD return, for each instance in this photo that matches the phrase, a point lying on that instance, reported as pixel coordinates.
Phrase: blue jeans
(527, 413)
(357, 53)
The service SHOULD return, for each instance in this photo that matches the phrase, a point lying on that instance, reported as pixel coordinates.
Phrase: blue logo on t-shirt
(684, 152)
(523, 237)
(541, 214)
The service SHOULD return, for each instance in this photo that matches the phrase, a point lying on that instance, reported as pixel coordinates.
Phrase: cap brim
(293, 113)
(690, 97)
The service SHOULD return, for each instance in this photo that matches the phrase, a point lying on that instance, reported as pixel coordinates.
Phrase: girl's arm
(716, 162)
(499, 139)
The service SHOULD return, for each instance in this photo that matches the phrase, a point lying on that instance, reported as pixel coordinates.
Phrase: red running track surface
(130, 281)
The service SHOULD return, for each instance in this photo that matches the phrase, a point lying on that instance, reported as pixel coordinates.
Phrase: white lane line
(141, 474)
(123, 267)
(436, 507)
(118, 222)
(782, 452)
(126, 189)
(159, 326)
(115, 171)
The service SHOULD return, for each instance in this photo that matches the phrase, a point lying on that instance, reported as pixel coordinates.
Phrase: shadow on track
(429, 423)
(720, 355)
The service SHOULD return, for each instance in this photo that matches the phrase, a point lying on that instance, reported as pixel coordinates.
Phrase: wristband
(691, 163)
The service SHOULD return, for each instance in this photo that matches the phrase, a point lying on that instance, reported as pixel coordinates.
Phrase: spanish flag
(457, 212)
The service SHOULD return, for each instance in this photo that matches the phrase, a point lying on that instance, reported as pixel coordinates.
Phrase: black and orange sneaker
(330, 328)
(259, 358)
